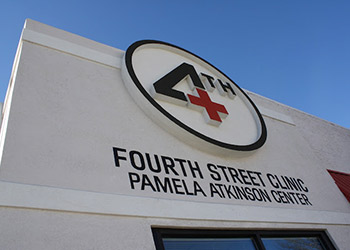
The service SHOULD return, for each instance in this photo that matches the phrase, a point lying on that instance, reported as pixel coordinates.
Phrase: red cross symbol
(214, 111)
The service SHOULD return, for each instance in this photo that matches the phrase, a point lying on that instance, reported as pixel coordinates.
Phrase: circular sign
(191, 98)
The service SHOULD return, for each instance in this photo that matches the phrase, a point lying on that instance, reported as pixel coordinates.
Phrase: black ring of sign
(250, 147)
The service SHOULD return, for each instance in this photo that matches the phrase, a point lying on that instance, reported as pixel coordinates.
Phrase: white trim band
(42, 197)
(276, 115)
(72, 48)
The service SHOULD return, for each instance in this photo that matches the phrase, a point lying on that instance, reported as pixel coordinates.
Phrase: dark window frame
(255, 235)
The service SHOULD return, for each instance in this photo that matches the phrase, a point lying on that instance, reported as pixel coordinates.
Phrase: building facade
(155, 148)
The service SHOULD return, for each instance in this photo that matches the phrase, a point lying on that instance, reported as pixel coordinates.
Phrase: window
(177, 239)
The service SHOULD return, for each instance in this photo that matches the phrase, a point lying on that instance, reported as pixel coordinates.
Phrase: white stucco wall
(65, 110)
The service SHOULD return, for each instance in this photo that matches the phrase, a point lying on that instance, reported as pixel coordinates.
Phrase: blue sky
(294, 52)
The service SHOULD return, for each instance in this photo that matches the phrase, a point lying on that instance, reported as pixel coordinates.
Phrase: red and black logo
(170, 77)
(214, 112)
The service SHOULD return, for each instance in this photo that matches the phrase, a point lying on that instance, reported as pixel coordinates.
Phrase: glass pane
(208, 244)
(299, 243)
